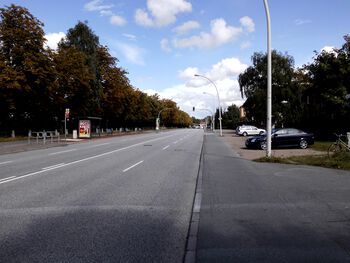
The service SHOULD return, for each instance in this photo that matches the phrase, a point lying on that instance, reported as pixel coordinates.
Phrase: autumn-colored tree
(26, 73)
(74, 78)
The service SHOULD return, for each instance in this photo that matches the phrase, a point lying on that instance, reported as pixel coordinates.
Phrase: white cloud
(300, 22)
(132, 53)
(328, 49)
(142, 18)
(220, 34)
(106, 13)
(161, 12)
(105, 10)
(226, 68)
(200, 93)
(117, 20)
(188, 73)
(52, 39)
(186, 27)
(246, 44)
(96, 5)
(247, 23)
(164, 44)
(130, 36)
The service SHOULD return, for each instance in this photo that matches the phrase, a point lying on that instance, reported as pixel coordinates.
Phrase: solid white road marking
(5, 179)
(132, 166)
(166, 147)
(53, 166)
(6, 162)
(71, 150)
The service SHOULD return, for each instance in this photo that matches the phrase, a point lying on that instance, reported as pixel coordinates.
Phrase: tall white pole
(269, 81)
(217, 93)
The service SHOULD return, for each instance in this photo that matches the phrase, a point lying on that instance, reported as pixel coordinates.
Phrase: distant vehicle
(283, 137)
(248, 130)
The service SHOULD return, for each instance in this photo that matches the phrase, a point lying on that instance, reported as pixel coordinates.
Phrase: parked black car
(283, 137)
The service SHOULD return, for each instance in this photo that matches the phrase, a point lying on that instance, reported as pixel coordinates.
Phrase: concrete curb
(191, 245)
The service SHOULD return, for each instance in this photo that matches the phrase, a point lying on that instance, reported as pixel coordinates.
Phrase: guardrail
(44, 137)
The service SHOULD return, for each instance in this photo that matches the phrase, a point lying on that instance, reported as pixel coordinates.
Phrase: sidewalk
(23, 146)
(273, 213)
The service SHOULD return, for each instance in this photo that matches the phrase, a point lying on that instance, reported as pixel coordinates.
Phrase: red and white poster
(84, 129)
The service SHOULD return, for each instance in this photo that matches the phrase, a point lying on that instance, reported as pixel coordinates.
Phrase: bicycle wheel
(334, 148)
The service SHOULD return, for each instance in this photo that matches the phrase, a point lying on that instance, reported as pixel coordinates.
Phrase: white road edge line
(6, 162)
(5, 179)
(85, 159)
(132, 166)
(166, 147)
(71, 150)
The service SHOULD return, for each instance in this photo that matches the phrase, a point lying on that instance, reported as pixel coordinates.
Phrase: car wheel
(303, 144)
(245, 134)
(261, 133)
(263, 145)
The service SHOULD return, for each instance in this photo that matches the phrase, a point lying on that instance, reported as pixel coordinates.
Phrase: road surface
(124, 199)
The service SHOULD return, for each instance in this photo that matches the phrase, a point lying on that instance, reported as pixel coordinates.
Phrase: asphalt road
(124, 199)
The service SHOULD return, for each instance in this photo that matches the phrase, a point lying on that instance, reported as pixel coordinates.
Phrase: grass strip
(337, 161)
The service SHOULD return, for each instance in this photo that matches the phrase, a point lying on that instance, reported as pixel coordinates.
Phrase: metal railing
(43, 137)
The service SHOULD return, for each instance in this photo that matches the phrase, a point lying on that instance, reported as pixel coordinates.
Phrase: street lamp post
(269, 81)
(158, 118)
(217, 92)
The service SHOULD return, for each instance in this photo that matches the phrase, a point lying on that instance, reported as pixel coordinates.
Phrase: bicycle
(338, 146)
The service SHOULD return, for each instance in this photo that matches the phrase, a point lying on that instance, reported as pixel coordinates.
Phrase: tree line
(37, 83)
(315, 97)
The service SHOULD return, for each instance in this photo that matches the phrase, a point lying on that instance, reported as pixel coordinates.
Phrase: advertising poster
(84, 129)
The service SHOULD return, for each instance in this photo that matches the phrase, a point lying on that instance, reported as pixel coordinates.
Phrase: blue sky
(163, 43)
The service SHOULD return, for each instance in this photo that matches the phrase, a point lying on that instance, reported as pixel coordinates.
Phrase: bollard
(13, 134)
(348, 135)
(29, 135)
(75, 134)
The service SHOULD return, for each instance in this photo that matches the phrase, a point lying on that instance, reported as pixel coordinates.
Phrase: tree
(27, 75)
(74, 78)
(82, 38)
(253, 84)
(328, 89)
(230, 117)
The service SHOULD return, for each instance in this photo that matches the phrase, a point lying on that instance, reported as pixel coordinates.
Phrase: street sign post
(66, 116)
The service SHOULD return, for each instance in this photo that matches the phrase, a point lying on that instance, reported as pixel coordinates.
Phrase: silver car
(247, 130)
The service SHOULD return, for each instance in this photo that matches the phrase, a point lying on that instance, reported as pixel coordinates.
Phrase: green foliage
(253, 84)
(314, 97)
(329, 84)
(230, 118)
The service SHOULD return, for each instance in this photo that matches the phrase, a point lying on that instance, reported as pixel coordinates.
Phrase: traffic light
(194, 108)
